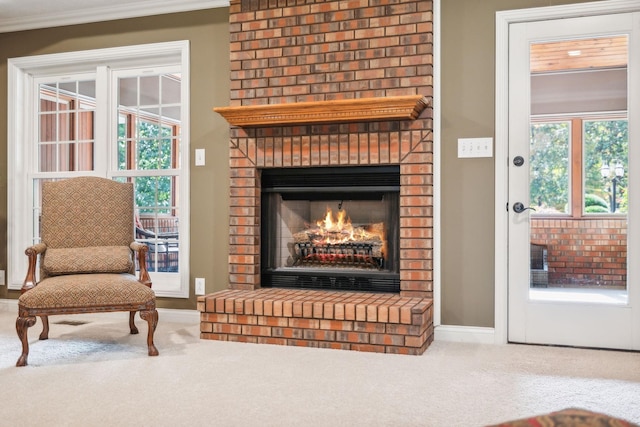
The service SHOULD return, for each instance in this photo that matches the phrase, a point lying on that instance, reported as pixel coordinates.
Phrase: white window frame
(22, 133)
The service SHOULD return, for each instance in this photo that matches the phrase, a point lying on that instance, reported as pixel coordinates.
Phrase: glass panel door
(571, 182)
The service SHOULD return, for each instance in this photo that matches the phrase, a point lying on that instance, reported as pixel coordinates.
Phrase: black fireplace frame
(327, 183)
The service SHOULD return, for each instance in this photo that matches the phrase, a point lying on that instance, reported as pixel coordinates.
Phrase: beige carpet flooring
(91, 372)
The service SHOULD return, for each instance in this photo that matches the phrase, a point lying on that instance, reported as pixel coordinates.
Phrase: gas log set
(306, 245)
(336, 242)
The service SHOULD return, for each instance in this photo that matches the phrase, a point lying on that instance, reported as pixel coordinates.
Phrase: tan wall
(208, 32)
(468, 58)
(467, 204)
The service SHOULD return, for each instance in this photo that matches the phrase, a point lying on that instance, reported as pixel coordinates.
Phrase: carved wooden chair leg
(22, 325)
(132, 323)
(44, 335)
(151, 316)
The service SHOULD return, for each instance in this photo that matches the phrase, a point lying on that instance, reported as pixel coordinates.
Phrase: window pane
(150, 90)
(154, 146)
(65, 126)
(148, 140)
(149, 122)
(85, 126)
(172, 112)
(48, 156)
(128, 92)
(48, 125)
(549, 173)
(66, 121)
(606, 145)
(157, 221)
(170, 89)
(84, 156)
(154, 194)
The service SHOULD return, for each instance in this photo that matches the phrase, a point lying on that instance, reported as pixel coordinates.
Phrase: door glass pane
(606, 148)
(578, 170)
(549, 162)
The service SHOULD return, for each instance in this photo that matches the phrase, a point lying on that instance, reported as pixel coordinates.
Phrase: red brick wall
(584, 252)
(286, 51)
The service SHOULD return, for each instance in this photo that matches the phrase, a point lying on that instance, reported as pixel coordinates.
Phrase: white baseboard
(469, 334)
(168, 314)
(179, 315)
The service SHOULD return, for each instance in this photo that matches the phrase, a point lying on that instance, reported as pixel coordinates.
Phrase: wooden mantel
(336, 111)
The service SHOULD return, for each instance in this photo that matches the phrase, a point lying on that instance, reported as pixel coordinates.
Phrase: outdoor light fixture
(618, 172)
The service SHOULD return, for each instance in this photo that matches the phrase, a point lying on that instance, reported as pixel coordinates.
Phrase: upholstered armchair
(86, 258)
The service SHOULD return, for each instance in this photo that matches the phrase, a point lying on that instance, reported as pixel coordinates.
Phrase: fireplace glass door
(331, 228)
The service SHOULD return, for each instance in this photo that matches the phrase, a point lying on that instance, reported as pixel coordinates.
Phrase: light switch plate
(475, 147)
(200, 286)
(199, 156)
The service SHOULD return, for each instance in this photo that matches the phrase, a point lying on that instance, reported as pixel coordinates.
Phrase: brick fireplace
(315, 84)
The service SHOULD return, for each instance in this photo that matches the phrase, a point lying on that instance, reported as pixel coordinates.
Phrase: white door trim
(503, 20)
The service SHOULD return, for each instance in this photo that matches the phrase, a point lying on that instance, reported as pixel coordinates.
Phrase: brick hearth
(372, 322)
(286, 52)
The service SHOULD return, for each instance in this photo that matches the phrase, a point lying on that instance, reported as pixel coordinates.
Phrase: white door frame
(503, 20)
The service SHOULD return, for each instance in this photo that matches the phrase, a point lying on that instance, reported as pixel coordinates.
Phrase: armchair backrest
(85, 212)
(87, 227)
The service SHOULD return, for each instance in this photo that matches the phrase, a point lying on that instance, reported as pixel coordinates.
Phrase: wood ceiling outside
(603, 52)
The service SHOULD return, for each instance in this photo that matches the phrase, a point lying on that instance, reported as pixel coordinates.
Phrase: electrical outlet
(199, 286)
(2, 282)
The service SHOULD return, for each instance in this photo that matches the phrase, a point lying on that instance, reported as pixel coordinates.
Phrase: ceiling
(579, 54)
(18, 15)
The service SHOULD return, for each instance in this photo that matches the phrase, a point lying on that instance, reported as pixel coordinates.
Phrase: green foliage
(604, 142)
(595, 204)
(549, 160)
(596, 209)
(153, 144)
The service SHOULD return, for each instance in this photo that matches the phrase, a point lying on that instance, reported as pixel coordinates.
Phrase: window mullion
(577, 182)
(103, 122)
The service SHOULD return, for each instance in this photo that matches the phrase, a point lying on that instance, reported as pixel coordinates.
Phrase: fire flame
(330, 225)
(333, 230)
(335, 239)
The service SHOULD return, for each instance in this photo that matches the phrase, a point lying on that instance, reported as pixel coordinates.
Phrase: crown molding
(335, 111)
(106, 13)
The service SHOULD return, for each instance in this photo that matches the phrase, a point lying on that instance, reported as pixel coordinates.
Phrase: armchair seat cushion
(93, 259)
(86, 291)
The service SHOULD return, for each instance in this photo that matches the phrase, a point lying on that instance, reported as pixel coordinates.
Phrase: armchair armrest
(141, 251)
(32, 252)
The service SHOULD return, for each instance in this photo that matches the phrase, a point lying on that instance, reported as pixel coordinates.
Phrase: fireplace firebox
(331, 228)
